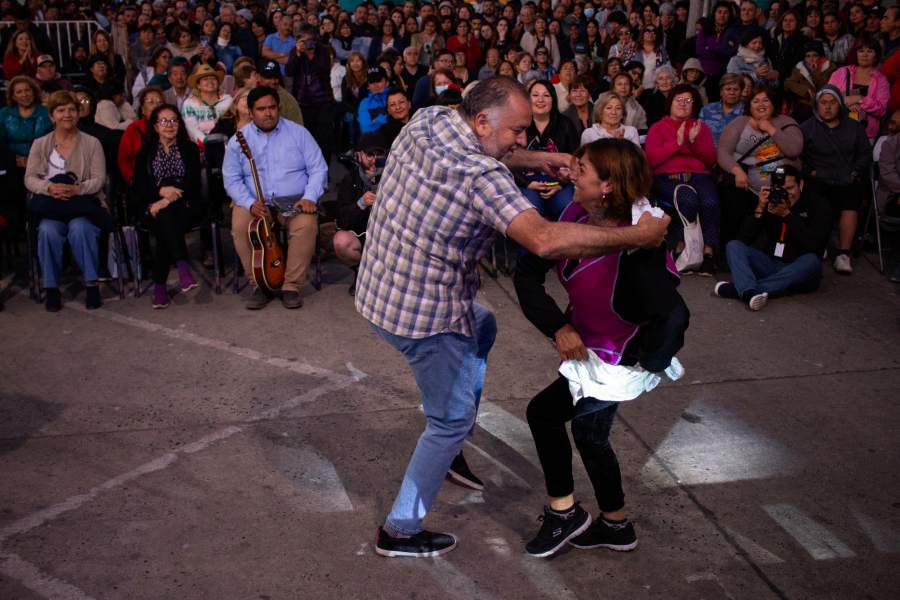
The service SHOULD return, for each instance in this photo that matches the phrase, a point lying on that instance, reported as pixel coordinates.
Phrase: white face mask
(222, 42)
(440, 89)
(589, 12)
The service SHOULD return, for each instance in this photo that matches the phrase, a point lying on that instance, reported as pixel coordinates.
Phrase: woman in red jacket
(136, 133)
(681, 151)
(21, 56)
(463, 41)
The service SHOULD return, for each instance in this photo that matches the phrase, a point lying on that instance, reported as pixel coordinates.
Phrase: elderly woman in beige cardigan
(68, 154)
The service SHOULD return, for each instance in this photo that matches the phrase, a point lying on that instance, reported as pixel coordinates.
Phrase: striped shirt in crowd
(440, 201)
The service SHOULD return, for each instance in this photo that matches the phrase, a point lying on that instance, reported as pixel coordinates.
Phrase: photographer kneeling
(779, 247)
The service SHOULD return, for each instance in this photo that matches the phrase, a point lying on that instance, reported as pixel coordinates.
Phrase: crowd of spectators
(755, 86)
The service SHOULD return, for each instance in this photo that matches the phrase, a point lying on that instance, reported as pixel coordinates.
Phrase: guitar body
(267, 260)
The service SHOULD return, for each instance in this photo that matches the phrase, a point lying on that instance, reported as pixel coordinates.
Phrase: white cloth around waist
(593, 378)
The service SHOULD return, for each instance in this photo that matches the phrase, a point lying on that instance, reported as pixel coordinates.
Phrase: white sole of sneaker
(559, 546)
(399, 554)
(464, 481)
(759, 301)
(625, 548)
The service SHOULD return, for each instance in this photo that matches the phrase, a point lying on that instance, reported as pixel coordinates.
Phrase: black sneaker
(557, 529)
(53, 301)
(603, 534)
(460, 474)
(424, 544)
(726, 289)
(92, 298)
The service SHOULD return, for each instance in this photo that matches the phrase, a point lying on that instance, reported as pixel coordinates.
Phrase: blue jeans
(553, 206)
(449, 370)
(754, 270)
(82, 236)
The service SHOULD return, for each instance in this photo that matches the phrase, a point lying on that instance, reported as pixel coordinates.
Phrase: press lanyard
(779, 247)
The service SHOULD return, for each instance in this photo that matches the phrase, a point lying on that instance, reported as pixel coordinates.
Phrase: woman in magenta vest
(623, 306)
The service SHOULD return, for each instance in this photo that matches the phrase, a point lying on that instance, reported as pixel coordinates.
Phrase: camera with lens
(777, 193)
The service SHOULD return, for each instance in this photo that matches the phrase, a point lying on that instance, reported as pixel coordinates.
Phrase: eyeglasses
(167, 122)
(84, 101)
(686, 101)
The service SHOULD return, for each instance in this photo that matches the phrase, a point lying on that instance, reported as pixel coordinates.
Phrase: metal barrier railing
(63, 35)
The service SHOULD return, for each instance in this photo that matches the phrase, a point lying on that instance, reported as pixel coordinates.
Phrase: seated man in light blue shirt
(292, 175)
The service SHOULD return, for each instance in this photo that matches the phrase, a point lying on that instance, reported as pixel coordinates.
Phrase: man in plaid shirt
(444, 194)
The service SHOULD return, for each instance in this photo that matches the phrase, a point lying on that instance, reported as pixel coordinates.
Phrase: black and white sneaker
(424, 544)
(726, 289)
(604, 534)
(460, 474)
(557, 529)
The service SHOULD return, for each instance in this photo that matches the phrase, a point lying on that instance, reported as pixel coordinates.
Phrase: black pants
(169, 228)
(591, 424)
(321, 121)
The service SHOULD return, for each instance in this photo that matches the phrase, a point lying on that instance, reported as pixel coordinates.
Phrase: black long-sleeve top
(350, 217)
(645, 294)
(808, 226)
(144, 191)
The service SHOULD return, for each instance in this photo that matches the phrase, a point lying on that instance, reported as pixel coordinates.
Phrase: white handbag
(692, 256)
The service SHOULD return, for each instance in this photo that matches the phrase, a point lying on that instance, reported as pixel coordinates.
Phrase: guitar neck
(255, 174)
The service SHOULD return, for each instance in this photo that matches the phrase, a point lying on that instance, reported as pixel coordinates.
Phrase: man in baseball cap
(47, 75)
(269, 73)
(373, 108)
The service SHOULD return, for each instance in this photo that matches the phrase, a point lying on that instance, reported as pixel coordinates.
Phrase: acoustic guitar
(267, 260)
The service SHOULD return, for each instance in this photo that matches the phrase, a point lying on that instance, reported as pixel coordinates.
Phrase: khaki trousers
(301, 245)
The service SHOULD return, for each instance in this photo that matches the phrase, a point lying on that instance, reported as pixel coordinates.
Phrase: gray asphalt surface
(206, 451)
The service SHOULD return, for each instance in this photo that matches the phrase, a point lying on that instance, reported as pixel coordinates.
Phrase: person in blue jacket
(373, 108)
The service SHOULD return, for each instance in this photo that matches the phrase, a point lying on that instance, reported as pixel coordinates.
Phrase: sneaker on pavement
(726, 289)
(460, 474)
(604, 534)
(557, 529)
(842, 264)
(755, 300)
(257, 300)
(424, 544)
(160, 296)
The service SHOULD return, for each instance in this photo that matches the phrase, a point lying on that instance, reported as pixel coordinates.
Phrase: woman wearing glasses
(165, 187)
(681, 152)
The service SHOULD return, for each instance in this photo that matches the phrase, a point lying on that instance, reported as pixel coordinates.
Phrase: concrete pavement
(206, 451)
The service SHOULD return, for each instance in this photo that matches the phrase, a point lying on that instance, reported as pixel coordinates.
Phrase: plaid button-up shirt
(439, 204)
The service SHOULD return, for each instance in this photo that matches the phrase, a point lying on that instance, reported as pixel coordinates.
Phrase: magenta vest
(591, 288)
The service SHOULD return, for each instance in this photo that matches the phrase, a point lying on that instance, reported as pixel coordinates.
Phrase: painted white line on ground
(882, 536)
(818, 541)
(718, 448)
(757, 553)
(301, 368)
(317, 485)
(506, 471)
(544, 577)
(38, 582)
(509, 429)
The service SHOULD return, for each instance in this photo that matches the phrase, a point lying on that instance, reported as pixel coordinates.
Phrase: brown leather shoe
(291, 299)
(257, 300)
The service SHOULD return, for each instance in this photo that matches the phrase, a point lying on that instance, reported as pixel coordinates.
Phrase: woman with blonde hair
(610, 113)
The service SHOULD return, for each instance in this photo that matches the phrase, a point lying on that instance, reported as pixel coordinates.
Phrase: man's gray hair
(491, 93)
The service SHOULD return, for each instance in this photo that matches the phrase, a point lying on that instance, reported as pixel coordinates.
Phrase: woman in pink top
(866, 90)
(681, 152)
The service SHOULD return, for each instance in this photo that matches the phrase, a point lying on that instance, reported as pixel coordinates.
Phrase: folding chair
(888, 224)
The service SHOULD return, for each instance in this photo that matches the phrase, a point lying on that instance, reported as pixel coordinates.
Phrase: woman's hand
(170, 193)
(21, 161)
(569, 344)
(762, 71)
(679, 136)
(741, 181)
(157, 206)
(694, 132)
